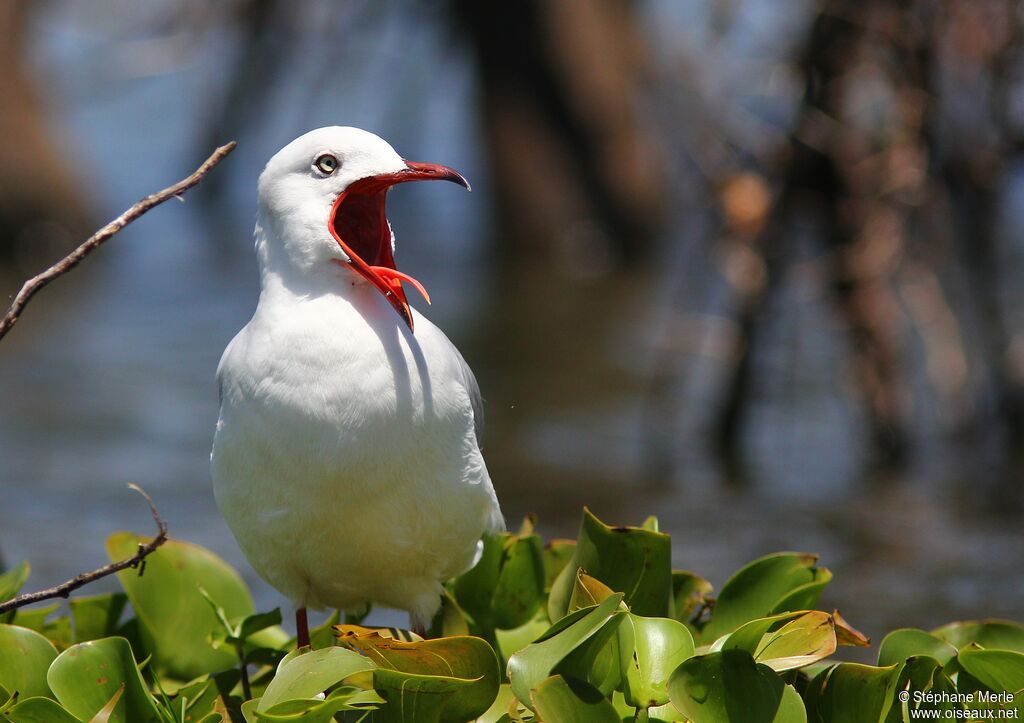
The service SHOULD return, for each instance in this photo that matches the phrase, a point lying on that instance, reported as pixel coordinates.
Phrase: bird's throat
(359, 224)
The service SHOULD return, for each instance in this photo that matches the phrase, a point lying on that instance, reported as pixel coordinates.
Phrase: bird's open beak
(359, 224)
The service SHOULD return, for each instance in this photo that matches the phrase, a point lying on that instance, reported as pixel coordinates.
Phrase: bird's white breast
(345, 459)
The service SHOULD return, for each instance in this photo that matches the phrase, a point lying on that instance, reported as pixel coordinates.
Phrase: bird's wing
(475, 398)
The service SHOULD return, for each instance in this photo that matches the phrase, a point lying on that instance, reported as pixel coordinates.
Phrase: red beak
(359, 224)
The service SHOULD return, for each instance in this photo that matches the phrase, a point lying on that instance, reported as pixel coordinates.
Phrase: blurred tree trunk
(41, 207)
(985, 63)
(855, 169)
(575, 173)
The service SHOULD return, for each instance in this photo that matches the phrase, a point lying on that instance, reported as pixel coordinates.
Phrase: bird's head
(324, 195)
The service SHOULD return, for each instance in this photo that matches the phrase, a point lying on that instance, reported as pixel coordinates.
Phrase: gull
(346, 458)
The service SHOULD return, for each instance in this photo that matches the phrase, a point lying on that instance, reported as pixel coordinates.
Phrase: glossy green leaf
(87, 675)
(419, 698)
(519, 591)
(199, 697)
(763, 588)
(557, 554)
(13, 580)
(572, 701)
(923, 674)
(505, 700)
(25, 656)
(451, 619)
(852, 693)
(650, 649)
(96, 616)
(106, 713)
(457, 677)
(904, 643)
(534, 663)
(596, 660)
(726, 687)
(35, 618)
(998, 670)
(992, 634)
(309, 674)
(800, 642)
(689, 594)
(323, 636)
(38, 710)
(804, 597)
(177, 622)
(474, 589)
(791, 707)
(316, 710)
(514, 640)
(506, 586)
(630, 560)
(587, 592)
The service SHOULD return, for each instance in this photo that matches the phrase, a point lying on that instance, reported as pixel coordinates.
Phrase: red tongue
(394, 279)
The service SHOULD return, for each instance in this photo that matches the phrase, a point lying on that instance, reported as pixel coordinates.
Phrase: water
(108, 379)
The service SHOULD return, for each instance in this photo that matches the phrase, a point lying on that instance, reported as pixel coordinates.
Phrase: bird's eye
(326, 164)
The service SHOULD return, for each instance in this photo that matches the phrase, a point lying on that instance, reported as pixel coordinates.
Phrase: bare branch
(33, 285)
(65, 588)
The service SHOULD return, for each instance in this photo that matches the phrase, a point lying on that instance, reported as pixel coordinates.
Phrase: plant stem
(244, 669)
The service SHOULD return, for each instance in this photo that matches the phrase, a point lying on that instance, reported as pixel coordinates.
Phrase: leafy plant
(597, 629)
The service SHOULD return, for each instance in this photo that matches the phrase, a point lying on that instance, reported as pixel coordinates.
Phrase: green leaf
(998, 670)
(519, 591)
(412, 698)
(904, 643)
(309, 674)
(587, 592)
(38, 710)
(572, 701)
(316, 710)
(512, 641)
(87, 675)
(450, 619)
(456, 677)
(727, 686)
(764, 587)
(852, 693)
(13, 580)
(630, 560)
(791, 640)
(96, 616)
(107, 712)
(596, 660)
(176, 621)
(323, 636)
(506, 586)
(690, 592)
(25, 656)
(923, 674)
(991, 634)
(474, 589)
(534, 663)
(557, 554)
(791, 708)
(650, 649)
(34, 618)
(504, 700)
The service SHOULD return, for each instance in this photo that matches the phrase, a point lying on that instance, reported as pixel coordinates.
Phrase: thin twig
(30, 287)
(65, 588)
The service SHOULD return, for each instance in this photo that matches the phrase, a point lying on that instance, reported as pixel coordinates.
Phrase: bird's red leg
(301, 628)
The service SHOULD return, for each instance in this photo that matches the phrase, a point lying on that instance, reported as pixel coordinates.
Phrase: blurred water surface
(108, 379)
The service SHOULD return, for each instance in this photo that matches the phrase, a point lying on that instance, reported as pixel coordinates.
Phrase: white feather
(345, 459)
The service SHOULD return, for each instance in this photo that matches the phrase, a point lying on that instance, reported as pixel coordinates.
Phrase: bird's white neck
(290, 275)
